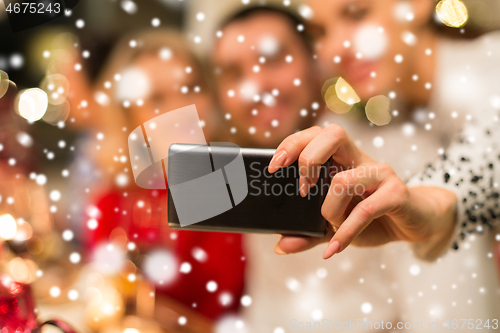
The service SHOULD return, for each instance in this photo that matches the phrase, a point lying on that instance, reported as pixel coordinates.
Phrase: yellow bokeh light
(24, 231)
(56, 113)
(4, 83)
(334, 103)
(8, 227)
(20, 270)
(378, 110)
(328, 83)
(57, 88)
(453, 13)
(32, 103)
(131, 330)
(105, 307)
(345, 92)
(338, 95)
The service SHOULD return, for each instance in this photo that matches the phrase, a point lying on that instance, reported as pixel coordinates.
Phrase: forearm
(467, 169)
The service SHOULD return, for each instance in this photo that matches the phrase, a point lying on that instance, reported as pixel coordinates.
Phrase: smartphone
(272, 204)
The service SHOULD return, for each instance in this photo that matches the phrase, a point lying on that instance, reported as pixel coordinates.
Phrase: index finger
(332, 141)
(289, 149)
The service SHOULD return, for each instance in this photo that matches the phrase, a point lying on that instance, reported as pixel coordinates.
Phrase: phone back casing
(267, 208)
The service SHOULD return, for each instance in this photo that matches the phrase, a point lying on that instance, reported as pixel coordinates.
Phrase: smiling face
(370, 43)
(265, 78)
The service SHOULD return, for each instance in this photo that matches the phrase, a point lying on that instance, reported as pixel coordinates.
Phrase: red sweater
(142, 214)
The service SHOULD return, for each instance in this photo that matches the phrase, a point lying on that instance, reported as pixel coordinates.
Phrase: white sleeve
(470, 168)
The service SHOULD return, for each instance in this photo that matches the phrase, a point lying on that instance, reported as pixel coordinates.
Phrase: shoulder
(471, 52)
(467, 73)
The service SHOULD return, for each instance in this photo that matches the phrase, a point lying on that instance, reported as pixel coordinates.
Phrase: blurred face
(266, 77)
(172, 83)
(370, 43)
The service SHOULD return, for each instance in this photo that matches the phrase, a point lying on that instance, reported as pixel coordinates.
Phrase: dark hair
(294, 19)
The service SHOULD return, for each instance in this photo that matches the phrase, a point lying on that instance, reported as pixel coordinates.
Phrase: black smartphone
(260, 202)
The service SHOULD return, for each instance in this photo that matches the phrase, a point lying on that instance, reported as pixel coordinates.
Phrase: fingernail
(304, 185)
(278, 161)
(278, 250)
(332, 248)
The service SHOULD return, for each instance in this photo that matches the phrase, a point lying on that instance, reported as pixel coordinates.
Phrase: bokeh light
(231, 324)
(24, 231)
(8, 227)
(345, 92)
(4, 83)
(269, 46)
(338, 95)
(32, 103)
(133, 85)
(19, 270)
(161, 267)
(403, 11)
(378, 110)
(56, 86)
(108, 258)
(104, 307)
(371, 41)
(453, 13)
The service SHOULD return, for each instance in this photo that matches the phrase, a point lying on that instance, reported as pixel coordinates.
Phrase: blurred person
(157, 75)
(24, 199)
(88, 114)
(20, 195)
(440, 88)
(262, 49)
(97, 118)
(96, 113)
(97, 129)
(16, 161)
(267, 83)
(15, 136)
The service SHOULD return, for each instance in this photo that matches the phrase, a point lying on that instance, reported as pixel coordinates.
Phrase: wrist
(440, 214)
